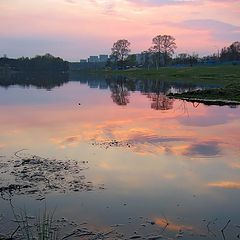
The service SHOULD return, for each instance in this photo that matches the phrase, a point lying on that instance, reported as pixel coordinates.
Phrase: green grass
(224, 74)
(230, 93)
(227, 76)
(41, 228)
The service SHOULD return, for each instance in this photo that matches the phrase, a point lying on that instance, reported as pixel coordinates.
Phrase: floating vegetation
(39, 176)
(112, 143)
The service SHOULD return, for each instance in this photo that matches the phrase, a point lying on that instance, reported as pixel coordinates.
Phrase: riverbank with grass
(226, 76)
(228, 95)
(220, 73)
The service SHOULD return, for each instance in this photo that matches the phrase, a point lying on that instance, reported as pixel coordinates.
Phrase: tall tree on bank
(120, 51)
(163, 45)
(231, 53)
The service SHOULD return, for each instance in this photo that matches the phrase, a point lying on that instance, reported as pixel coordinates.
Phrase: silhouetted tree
(187, 59)
(120, 51)
(181, 58)
(192, 59)
(163, 45)
(231, 53)
(131, 60)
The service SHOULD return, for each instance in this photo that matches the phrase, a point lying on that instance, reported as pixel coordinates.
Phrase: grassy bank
(228, 76)
(224, 74)
(229, 94)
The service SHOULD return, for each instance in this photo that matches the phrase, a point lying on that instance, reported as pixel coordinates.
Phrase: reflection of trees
(43, 63)
(161, 102)
(47, 80)
(41, 71)
(157, 95)
(195, 104)
(120, 87)
(120, 94)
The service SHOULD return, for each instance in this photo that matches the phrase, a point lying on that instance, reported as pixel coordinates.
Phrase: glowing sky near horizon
(74, 29)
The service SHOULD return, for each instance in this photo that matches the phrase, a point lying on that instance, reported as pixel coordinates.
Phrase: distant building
(93, 59)
(83, 60)
(103, 58)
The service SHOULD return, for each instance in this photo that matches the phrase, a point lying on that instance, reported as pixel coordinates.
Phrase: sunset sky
(75, 29)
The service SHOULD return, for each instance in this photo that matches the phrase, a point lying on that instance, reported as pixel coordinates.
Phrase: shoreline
(224, 74)
(206, 101)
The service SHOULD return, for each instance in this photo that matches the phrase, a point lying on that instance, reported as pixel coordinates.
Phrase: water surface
(160, 160)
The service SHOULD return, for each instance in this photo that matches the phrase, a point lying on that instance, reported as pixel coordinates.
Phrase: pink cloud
(225, 185)
(75, 28)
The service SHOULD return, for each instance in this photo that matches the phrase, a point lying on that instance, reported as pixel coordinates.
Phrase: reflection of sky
(175, 154)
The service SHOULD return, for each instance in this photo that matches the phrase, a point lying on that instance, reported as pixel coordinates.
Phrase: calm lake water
(158, 160)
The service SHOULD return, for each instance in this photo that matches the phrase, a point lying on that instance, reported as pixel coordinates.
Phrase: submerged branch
(224, 228)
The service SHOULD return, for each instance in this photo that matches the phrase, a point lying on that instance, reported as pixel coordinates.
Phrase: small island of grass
(230, 94)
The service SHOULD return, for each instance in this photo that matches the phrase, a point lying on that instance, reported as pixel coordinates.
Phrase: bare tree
(121, 50)
(163, 45)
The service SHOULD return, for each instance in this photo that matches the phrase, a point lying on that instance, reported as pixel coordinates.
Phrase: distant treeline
(231, 53)
(46, 62)
(44, 71)
(161, 53)
(46, 80)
